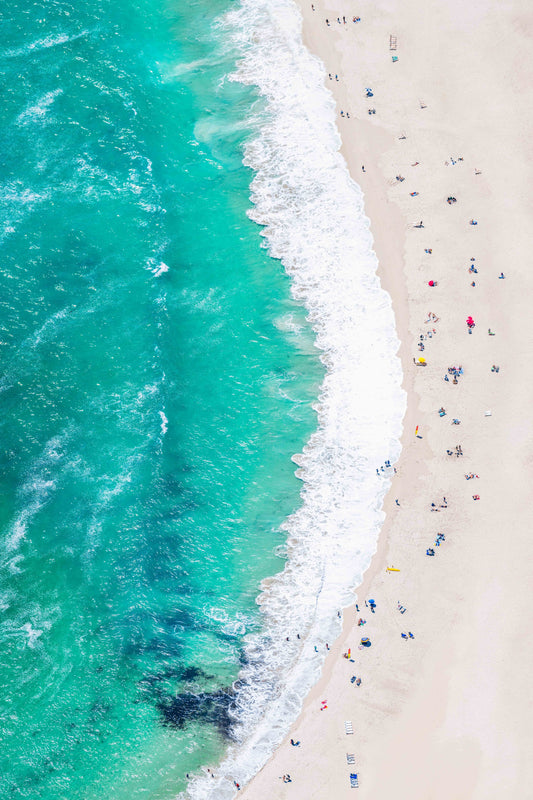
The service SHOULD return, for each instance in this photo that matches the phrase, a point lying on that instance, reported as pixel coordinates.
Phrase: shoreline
(420, 710)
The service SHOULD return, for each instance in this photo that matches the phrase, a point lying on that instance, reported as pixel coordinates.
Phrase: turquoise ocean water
(156, 378)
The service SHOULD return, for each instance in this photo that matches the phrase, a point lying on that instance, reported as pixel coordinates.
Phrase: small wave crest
(35, 492)
(313, 220)
(43, 44)
(37, 110)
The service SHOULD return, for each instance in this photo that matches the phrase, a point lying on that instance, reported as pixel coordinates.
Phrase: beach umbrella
(366, 642)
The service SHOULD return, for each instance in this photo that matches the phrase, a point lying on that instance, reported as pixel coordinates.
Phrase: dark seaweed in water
(154, 682)
(210, 707)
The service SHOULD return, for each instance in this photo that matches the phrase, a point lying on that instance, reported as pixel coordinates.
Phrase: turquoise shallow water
(156, 378)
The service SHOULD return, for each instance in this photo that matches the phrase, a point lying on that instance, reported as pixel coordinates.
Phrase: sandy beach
(444, 713)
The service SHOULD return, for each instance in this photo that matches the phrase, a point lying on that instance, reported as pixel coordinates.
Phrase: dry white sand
(446, 715)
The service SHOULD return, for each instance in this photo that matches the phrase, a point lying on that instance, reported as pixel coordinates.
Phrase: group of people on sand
(341, 22)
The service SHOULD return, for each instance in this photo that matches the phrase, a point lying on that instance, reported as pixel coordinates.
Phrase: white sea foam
(159, 269)
(164, 423)
(313, 218)
(44, 44)
(36, 112)
(16, 202)
(31, 633)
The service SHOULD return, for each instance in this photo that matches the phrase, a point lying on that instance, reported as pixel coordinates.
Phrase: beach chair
(350, 758)
(354, 783)
(393, 42)
(348, 727)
